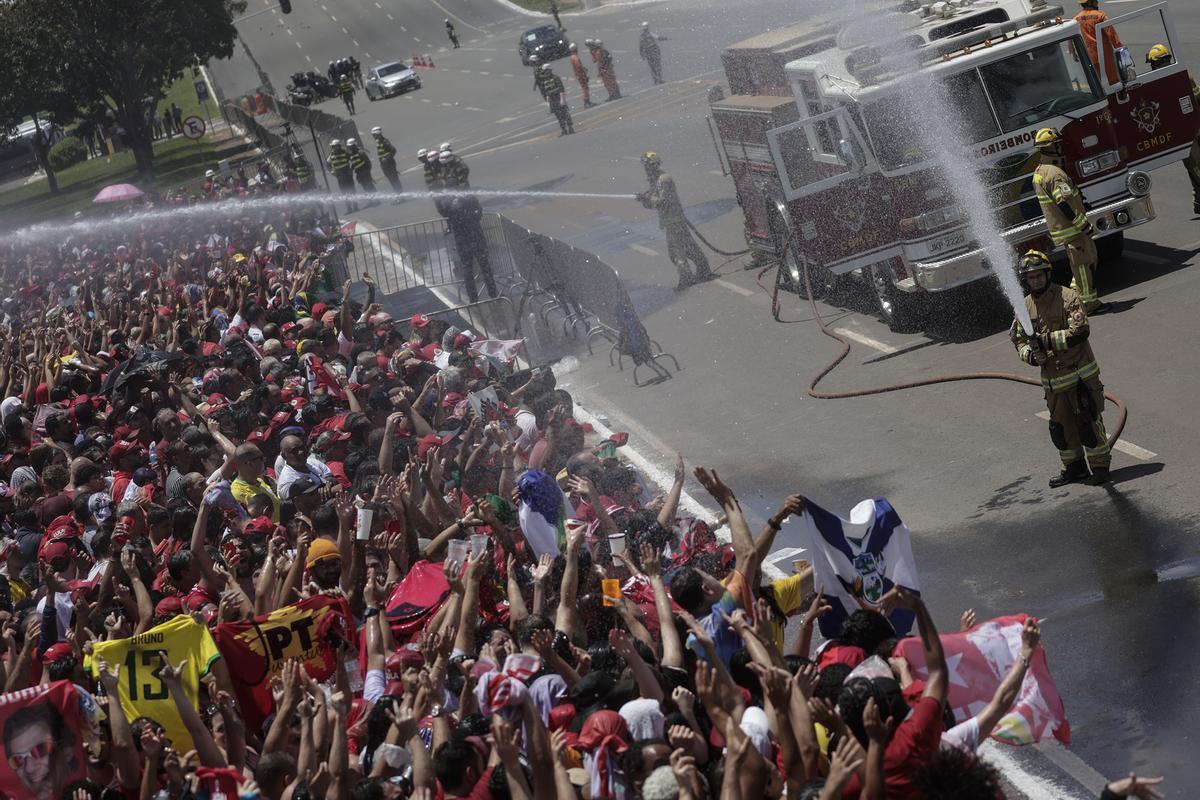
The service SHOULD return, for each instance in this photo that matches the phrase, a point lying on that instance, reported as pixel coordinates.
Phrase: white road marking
(356, 44)
(785, 553)
(465, 71)
(332, 17)
(378, 6)
(426, 100)
(448, 105)
(308, 58)
(299, 46)
(862, 338)
(716, 172)
(733, 287)
(503, 120)
(1128, 448)
(641, 248)
(485, 73)
(365, 53)
(401, 27)
(471, 108)
(324, 8)
(416, 38)
(345, 31)
(289, 30)
(1025, 782)
(509, 75)
(487, 60)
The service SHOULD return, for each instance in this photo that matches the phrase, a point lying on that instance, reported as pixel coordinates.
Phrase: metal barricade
(426, 254)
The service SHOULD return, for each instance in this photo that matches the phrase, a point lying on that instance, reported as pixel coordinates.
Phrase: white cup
(366, 517)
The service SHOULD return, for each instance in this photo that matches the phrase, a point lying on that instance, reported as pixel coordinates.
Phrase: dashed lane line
(641, 248)
(1128, 448)
(733, 287)
(863, 339)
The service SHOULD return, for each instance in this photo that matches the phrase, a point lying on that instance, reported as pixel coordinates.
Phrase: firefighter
(651, 52)
(346, 90)
(1066, 219)
(304, 171)
(605, 68)
(451, 34)
(554, 93)
(1160, 56)
(338, 162)
(1070, 374)
(1088, 18)
(581, 75)
(681, 247)
(360, 162)
(454, 171)
(387, 159)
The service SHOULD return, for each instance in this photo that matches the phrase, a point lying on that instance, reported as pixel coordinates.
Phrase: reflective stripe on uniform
(1058, 340)
(1068, 379)
(1069, 457)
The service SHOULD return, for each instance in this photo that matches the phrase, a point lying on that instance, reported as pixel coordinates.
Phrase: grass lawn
(177, 162)
(183, 94)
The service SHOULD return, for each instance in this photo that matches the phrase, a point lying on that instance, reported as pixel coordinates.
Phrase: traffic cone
(429, 62)
(416, 62)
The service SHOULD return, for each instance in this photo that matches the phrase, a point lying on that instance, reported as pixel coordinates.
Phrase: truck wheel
(1110, 247)
(896, 308)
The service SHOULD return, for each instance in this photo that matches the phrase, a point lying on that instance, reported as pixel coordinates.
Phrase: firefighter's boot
(1099, 476)
(1074, 473)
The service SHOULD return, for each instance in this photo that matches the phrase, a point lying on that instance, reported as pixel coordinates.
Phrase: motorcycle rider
(338, 162)
(387, 159)
(1070, 374)
(553, 92)
(1160, 56)
(361, 164)
(605, 67)
(650, 51)
(451, 34)
(346, 90)
(581, 75)
(1066, 219)
(663, 197)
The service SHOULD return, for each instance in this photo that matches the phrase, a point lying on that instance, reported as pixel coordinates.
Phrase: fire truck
(837, 141)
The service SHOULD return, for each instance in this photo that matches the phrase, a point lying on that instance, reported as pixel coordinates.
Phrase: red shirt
(913, 745)
(119, 485)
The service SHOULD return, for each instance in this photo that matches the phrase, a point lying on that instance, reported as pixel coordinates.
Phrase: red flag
(256, 649)
(318, 375)
(416, 599)
(43, 741)
(978, 660)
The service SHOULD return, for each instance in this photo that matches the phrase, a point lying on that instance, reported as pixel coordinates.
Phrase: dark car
(546, 42)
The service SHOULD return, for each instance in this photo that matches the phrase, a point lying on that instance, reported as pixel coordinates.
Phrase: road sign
(193, 127)
(201, 91)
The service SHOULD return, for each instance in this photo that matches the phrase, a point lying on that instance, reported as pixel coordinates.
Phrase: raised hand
(847, 758)
(541, 570)
(713, 484)
(651, 560)
(967, 620)
(1133, 786)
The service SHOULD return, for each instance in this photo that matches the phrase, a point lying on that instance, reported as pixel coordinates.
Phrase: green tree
(121, 53)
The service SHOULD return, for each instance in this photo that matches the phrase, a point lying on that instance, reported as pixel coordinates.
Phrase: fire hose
(711, 246)
(897, 387)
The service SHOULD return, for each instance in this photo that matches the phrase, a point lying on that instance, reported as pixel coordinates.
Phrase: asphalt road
(1112, 570)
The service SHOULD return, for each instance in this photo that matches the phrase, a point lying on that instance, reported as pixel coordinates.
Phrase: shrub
(67, 152)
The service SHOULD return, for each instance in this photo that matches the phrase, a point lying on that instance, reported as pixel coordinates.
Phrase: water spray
(57, 231)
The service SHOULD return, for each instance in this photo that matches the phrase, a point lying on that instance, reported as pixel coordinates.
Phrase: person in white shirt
(293, 451)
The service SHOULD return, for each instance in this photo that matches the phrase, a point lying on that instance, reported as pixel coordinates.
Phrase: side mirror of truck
(1125, 65)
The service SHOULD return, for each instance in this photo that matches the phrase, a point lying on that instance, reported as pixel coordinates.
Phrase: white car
(390, 79)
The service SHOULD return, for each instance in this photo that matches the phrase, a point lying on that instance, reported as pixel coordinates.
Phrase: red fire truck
(845, 168)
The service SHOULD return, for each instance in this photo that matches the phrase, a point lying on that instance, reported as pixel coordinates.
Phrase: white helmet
(544, 67)
(336, 143)
(422, 153)
(376, 131)
(572, 47)
(445, 146)
(209, 174)
(352, 143)
(445, 156)
(645, 24)
(447, 20)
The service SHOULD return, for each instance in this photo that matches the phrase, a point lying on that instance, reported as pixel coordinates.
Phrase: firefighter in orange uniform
(1160, 56)
(1066, 219)
(1070, 374)
(1088, 18)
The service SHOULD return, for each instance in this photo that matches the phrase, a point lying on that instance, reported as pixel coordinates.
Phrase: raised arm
(1007, 691)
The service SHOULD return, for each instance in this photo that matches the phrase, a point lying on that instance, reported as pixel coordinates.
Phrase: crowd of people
(258, 539)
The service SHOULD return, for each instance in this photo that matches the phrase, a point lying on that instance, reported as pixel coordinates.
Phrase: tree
(124, 54)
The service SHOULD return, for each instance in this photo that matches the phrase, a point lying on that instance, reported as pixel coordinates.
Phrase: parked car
(390, 79)
(546, 42)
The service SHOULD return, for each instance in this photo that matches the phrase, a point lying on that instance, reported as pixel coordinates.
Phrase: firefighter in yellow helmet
(1070, 374)
(663, 197)
(1157, 57)
(1062, 206)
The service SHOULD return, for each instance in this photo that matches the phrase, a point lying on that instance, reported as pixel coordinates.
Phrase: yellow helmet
(651, 159)
(1033, 261)
(1159, 52)
(1046, 138)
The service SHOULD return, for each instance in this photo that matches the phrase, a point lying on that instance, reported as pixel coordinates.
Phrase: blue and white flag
(859, 560)
(543, 512)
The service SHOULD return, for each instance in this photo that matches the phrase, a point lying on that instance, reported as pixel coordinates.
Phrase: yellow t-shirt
(242, 491)
(135, 660)
(789, 593)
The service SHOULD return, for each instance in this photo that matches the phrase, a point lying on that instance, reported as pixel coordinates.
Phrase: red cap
(52, 549)
(260, 526)
(56, 651)
(318, 309)
(419, 320)
(430, 441)
(122, 448)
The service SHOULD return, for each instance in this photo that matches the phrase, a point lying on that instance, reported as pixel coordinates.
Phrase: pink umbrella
(118, 193)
